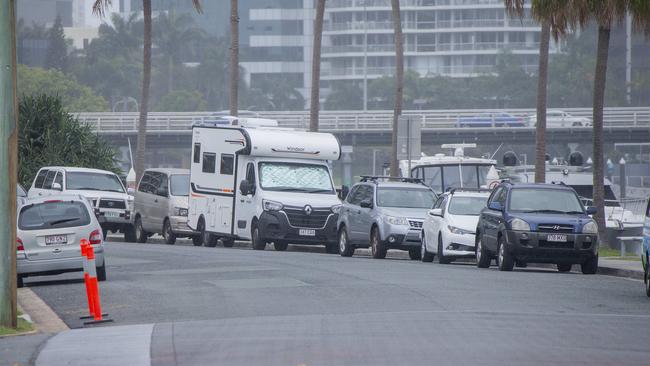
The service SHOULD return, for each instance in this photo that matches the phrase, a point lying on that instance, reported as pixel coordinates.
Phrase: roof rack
(375, 178)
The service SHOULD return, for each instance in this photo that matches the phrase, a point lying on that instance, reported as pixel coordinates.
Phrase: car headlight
(590, 228)
(336, 209)
(396, 220)
(519, 225)
(179, 211)
(457, 230)
(271, 205)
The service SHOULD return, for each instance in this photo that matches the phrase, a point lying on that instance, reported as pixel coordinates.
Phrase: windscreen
(53, 215)
(180, 184)
(20, 191)
(295, 177)
(545, 201)
(405, 198)
(471, 206)
(84, 181)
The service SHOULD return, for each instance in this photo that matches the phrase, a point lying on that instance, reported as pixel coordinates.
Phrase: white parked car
(103, 189)
(557, 118)
(449, 229)
(49, 235)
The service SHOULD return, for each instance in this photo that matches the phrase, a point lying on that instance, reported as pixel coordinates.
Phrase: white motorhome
(252, 181)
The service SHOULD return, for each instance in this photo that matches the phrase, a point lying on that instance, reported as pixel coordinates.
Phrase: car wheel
(258, 243)
(197, 240)
(577, 124)
(345, 249)
(105, 233)
(442, 259)
(280, 246)
(424, 253)
(482, 256)
(168, 234)
(414, 254)
(140, 234)
(377, 249)
(505, 261)
(129, 234)
(101, 273)
(564, 267)
(227, 242)
(590, 266)
(20, 283)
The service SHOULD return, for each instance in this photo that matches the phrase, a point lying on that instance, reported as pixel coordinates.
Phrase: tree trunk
(602, 52)
(234, 58)
(8, 162)
(144, 101)
(540, 129)
(399, 84)
(315, 66)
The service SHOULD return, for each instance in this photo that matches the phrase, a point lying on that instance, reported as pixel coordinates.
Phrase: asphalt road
(239, 306)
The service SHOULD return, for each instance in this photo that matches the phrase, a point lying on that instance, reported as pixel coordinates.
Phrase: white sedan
(557, 118)
(449, 229)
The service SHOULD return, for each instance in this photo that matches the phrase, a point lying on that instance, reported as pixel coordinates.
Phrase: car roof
(78, 169)
(169, 171)
(397, 185)
(540, 185)
(471, 194)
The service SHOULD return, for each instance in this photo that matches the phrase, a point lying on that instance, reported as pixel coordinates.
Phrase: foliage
(57, 49)
(181, 101)
(345, 96)
(74, 96)
(49, 135)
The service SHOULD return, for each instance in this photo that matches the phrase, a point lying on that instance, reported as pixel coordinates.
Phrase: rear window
(53, 215)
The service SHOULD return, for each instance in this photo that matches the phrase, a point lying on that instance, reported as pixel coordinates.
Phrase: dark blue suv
(537, 223)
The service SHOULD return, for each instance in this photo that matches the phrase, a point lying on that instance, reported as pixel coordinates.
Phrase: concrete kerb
(44, 318)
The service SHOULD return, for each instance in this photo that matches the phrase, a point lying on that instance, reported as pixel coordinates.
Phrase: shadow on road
(41, 282)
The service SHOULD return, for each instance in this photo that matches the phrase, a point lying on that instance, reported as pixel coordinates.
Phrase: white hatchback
(49, 234)
(449, 229)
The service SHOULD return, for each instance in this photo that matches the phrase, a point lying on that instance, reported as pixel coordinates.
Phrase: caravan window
(197, 153)
(209, 162)
(295, 177)
(227, 164)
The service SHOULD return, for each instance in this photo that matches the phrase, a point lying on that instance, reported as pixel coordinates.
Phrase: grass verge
(23, 327)
(616, 254)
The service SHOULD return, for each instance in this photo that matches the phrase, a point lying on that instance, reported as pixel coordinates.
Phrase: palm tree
(234, 57)
(399, 83)
(99, 7)
(315, 66)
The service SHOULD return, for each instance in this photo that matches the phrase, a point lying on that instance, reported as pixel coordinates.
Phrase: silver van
(161, 204)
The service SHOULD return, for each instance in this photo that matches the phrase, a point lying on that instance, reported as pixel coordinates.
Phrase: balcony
(409, 3)
(428, 48)
(387, 26)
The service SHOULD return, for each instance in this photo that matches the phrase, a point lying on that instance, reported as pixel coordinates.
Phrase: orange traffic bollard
(92, 286)
(84, 248)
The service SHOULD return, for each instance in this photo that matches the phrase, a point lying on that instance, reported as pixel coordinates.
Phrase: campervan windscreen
(295, 177)
(441, 178)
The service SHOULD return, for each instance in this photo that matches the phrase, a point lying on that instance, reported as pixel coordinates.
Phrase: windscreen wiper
(52, 223)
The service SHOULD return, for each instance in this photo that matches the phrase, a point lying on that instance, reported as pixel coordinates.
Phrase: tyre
(280, 246)
(377, 248)
(129, 234)
(197, 240)
(105, 233)
(227, 242)
(20, 283)
(442, 259)
(345, 249)
(590, 266)
(564, 267)
(414, 254)
(258, 243)
(482, 255)
(168, 234)
(101, 273)
(424, 253)
(140, 234)
(505, 261)
(207, 238)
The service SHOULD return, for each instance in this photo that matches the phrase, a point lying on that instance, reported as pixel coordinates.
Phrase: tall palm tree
(399, 83)
(315, 66)
(99, 7)
(234, 57)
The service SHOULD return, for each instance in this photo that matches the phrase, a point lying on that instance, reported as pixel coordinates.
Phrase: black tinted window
(163, 186)
(40, 178)
(54, 214)
(197, 153)
(227, 164)
(49, 179)
(209, 162)
(59, 179)
(145, 183)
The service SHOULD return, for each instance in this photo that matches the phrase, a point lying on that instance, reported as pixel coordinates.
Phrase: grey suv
(384, 213)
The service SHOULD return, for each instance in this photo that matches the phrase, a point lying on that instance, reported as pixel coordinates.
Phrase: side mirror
(57, 186)
(436, 212)
(130, 191)
(245, 187)
(366, 204)
(591, 210)
(496, 206)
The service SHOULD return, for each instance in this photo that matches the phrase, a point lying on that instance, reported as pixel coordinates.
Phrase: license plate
(56, 239)
(307, 232)
(111, 214)
(557, 238)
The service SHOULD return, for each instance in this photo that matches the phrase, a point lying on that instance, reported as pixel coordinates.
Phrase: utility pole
(8, 163)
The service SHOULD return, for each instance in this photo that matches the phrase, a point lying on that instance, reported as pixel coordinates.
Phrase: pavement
(182, 305)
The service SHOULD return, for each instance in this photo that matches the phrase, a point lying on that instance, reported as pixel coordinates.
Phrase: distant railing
(342, 121)
(387, 25)
(410, 3)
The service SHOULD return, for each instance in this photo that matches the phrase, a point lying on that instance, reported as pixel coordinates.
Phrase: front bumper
(459, 245)
(114, 216)
(179, 226)
(401, 236)
(534, 247)
(274, 225)
(44, 267)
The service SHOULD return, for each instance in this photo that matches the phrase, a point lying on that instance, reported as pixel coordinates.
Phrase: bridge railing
(339, 121)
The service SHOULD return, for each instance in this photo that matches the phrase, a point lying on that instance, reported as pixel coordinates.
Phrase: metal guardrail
(343, 121)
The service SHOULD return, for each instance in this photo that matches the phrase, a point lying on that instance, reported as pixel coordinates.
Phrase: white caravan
(252, 181)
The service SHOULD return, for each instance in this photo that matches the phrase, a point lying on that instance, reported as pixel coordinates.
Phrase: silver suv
(384, 213)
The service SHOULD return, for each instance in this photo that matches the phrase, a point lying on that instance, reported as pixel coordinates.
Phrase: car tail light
(95, 237)
(19, 245)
